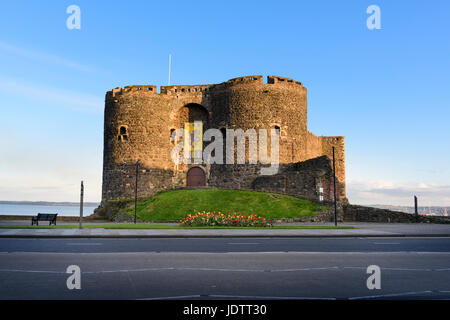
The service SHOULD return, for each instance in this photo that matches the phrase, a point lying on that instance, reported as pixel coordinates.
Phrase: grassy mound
(176, 204)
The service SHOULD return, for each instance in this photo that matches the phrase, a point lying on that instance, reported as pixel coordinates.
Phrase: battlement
(193, 89)
(141, 88)
(282, 80)
(201, 89)
(144, 88)
(333, 140)
(196, 89)
(247, 79)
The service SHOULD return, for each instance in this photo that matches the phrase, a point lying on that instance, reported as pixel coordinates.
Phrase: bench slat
(44, 217)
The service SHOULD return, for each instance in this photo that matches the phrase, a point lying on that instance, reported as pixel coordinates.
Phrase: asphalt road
(220, 245)
(225, 268)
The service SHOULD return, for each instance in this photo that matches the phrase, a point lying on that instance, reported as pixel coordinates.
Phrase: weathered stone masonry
(139, 122)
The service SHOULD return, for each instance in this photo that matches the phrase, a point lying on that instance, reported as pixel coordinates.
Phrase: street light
(334, 175)
(81, 205)
(136, 191)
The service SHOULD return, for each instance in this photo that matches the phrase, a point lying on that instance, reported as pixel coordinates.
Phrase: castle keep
(139, 123)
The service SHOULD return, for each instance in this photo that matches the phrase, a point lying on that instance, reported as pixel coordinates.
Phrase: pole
(320, 196)
(334, 180)
(81, 205)
(416, 211)
(136, 191)
(170, 60)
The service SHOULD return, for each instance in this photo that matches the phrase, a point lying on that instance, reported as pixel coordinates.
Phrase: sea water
(34, 209)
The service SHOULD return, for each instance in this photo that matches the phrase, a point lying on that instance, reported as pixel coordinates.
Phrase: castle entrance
(196, 177)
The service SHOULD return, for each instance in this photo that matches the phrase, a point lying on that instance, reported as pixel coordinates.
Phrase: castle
(139, 124)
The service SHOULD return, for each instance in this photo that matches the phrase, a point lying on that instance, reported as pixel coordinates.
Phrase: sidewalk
(363, 230)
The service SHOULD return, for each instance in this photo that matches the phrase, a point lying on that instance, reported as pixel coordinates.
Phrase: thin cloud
(44, 57)
(49, 193)
(54, 187)
(70, 99)
(386, 192)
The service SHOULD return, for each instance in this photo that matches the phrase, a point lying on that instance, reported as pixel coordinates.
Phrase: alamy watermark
(74, 280)
(374, 280)
(190, 150)
(374, 20)
(74, 20)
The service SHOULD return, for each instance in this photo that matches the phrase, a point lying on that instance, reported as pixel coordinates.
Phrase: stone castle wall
(139, 122)
(303, 180)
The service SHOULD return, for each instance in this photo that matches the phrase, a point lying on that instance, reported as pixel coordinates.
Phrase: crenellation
(332, 140)
(283, 81)
(201, 89)
(191, 89)
(246, 80)
(141, 88)
(147, 89)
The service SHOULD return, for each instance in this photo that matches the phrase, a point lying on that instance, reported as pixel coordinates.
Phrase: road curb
(226, 236)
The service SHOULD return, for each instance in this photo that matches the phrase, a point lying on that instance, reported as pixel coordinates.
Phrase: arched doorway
(193, 118)
(190, 113)
(196, 177)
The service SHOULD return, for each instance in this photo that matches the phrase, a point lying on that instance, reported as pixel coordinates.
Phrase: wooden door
(196, 177)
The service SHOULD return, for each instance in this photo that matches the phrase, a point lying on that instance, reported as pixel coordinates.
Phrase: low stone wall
(327, 216)
(355, 213)
(369, 214)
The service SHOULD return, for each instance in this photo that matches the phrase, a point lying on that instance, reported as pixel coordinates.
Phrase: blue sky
(386, 90)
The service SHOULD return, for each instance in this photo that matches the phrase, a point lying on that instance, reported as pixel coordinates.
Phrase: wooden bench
(51, 217)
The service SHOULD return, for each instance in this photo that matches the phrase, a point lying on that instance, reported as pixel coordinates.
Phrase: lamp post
(81, 205)
(334, 180)
(416, 209)
(136, 191)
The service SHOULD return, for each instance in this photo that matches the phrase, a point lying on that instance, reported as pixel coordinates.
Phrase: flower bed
(204, 218)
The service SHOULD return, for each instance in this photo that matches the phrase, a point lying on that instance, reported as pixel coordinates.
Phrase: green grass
(164, 226)
(40, 227)
(177, 204)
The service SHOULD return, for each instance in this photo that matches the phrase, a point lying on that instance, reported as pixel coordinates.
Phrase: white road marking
(386, 243)
(391, 295)
(30, 271)
(304, 269)
(269, 298)
(326, 252)
(242, 243)
(170, 298)
(406, 269)
(402, 269)
(220, 269)
(237, 297)
(299, 253)
(85, 244)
